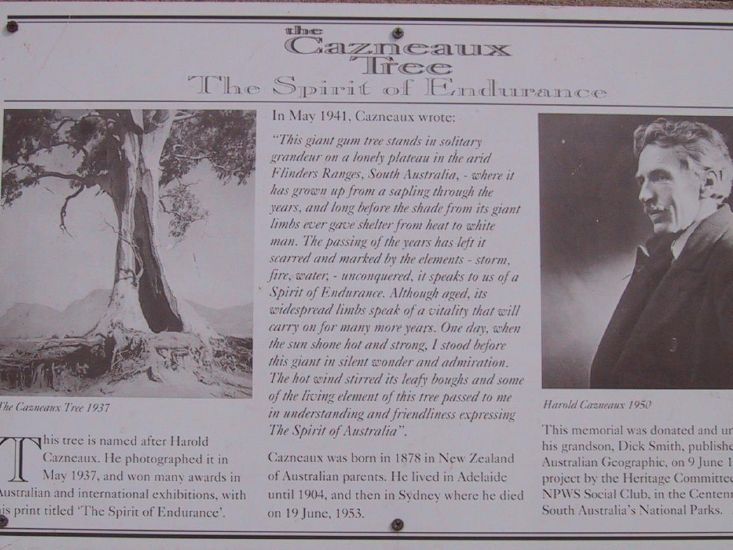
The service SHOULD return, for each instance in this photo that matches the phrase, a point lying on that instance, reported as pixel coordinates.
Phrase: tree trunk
(141, 298)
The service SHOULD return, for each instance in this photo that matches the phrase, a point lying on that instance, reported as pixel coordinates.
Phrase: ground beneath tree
(128, 364)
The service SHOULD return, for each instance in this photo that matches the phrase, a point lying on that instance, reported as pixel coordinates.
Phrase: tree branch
(85, 181)
(60, 175)
(67, 143)
(63, 121)
(197, 158)
(184, 115)
(191, 157)
(62, 224)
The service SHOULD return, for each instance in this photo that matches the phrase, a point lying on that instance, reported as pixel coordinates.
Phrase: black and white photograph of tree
(126, 252)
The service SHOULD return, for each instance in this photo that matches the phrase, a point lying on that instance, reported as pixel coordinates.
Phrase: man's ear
(710, 184)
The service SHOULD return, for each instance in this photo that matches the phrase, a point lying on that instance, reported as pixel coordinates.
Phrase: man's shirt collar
(676, 246)
(679, 243)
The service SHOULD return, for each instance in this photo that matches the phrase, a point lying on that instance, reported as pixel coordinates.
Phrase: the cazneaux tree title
(419, 69)
(379, 57)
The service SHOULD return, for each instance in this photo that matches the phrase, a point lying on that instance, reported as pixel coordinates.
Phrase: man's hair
(696, 142)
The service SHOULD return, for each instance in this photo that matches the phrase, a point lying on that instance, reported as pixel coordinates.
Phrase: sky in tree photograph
(126, 252)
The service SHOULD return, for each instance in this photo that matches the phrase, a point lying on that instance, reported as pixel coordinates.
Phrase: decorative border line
(319, 102)
(362, 535)
(366, 19)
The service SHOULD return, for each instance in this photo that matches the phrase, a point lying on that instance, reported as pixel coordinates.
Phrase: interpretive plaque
(273, 270)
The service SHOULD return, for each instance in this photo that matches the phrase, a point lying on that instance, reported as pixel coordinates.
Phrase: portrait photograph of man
(637, 251)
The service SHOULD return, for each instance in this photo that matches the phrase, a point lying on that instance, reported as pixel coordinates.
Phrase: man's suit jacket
(676, 332)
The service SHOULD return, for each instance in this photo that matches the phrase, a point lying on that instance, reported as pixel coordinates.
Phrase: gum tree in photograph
(138, 159)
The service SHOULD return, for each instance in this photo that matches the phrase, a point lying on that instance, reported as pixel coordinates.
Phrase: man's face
(669, 192)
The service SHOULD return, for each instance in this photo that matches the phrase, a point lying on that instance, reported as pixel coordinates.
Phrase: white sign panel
(365, 271)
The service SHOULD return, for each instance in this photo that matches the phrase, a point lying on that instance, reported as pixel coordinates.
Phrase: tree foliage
(82, 148)
(224, 138)
(183, 206)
